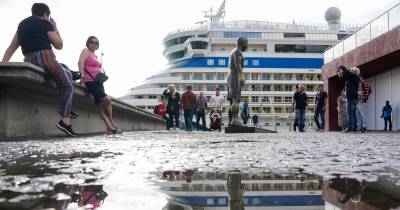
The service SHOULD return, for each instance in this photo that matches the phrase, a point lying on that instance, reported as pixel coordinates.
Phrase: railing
(378, 26)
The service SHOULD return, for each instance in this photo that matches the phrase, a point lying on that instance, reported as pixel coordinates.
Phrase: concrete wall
(29, 103)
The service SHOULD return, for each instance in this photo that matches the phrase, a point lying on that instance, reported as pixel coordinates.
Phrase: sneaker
(347, 130)
(71, 114)
(363, 130)
(115, 131)
(66, 128)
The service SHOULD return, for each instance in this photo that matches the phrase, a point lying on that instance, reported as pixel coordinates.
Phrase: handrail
(387, 12)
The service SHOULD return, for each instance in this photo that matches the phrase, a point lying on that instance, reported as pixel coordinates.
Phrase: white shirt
(217, 101)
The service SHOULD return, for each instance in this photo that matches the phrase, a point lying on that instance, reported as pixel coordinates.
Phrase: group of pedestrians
(353, 100)
(190, 105)
(37, 35)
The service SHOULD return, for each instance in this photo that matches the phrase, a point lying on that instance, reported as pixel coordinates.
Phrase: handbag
(75, 74)
(100, 77)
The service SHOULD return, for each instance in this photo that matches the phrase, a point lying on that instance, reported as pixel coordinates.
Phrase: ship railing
(378, 26)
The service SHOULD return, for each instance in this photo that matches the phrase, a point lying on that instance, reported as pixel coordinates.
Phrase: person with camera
(91, 70)
(37, 35)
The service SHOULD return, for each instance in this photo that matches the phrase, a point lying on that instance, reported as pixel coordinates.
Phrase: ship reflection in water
(235, 190)
(193, 189)
(75, 181)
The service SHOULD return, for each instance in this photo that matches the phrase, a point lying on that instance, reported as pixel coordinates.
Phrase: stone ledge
(29, 100)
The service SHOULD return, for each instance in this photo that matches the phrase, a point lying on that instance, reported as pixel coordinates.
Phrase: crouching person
(89, 66)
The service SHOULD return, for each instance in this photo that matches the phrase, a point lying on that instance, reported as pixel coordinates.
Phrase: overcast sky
(131, 31)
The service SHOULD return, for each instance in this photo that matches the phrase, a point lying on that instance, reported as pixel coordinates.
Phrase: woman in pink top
(88, 60)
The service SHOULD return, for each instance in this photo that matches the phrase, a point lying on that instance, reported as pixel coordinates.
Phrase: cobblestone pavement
(125, 162)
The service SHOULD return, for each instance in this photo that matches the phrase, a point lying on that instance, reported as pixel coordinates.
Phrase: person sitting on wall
(161, 110)
(90, 66)
(37, 35)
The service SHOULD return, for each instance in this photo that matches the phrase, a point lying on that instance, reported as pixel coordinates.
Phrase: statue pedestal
(245, 129)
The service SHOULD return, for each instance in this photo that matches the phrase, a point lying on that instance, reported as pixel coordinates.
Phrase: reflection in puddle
(51, 182)
(193, 189)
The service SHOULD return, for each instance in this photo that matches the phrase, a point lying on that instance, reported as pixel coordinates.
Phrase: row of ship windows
(251, 187)
(248, 76)
(279, 48)
(249, 176)
(258, 35)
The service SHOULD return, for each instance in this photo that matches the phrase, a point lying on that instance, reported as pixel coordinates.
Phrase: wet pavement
(179, 170)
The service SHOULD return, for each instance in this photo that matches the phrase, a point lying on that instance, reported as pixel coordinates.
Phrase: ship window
(210, 62)
(288, 76)
(210, 201)
(198, 76)
(176, 55)
(202, 35)
(185, 76)
(254, 99)
(297, 48)
(278, 88)
(288, 88)
(246, 76)
(177, 41)
(198, 45)
(256, 201)
(139, 97)
(197, 87)
(266, 76)
(246, 62)
(277, 99)
(294, 35)
(221, 62)
(288, 99)
(278, 76)
(220, 76)
(299, 76)
(256, 62)
(210, 76)
(245, 201)
(264, 99)
(152, 97)
(237, 34)
(221, 201)
(341, 36)
(254, 76)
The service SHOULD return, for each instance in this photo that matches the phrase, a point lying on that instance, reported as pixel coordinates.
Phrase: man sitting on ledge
(36, 34)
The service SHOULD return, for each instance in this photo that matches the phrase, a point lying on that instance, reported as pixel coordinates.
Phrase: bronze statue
(236, 80)
(235, 190)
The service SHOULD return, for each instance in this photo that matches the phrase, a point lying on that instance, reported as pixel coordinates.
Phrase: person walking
(320, 107)
(254, 120)
(173, 99)
(352, 81)
(161, 110)
(90, 66)
(201, 107)
(387, 115)
(299, 105)
(364, 90)
(188, 104)
(245, 112)
(37, 35)
(341, 108)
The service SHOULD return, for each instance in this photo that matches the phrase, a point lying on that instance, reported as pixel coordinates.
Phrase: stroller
(215, 119)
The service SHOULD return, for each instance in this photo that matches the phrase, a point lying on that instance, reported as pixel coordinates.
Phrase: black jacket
(351, 83)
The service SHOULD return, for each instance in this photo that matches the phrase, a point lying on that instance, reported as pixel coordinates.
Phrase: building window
(210, 62)
(221, 62)
(255, 62)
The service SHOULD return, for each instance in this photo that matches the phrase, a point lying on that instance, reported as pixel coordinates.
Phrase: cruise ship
(280, 56)
(262, 190)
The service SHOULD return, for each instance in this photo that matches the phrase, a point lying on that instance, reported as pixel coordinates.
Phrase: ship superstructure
(280, 57)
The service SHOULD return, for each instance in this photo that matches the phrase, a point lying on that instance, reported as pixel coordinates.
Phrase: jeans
(299, 120)
(388, 119)
(319, 111)
(188, 114)
(362, 114)
(171, 116)
(245, 118)
(352, 114)
(201, 114)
